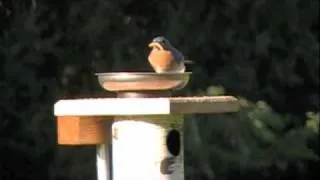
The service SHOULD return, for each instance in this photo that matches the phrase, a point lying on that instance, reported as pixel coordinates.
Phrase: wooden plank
(79, 130)
(145, 106)
(205, 104)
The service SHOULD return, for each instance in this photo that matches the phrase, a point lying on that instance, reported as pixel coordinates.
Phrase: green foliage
(27, 131)
(313, 121)
(265, 52)
(254, 138)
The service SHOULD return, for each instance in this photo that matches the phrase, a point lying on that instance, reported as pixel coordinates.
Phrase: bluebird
(166, 58)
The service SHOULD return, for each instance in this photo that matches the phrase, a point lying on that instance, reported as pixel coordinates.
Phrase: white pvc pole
(140, 148)
(103, 163)
(104, 156)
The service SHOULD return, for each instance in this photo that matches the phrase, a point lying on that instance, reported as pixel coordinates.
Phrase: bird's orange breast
(161, 60)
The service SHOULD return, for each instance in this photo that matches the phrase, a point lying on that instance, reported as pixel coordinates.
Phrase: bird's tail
(186, 61)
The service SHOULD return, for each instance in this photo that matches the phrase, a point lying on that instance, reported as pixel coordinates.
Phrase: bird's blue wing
(178, 56)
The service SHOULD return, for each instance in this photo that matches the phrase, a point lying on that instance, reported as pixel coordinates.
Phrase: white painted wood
(145, 106)
(112, 106)
(139, 148)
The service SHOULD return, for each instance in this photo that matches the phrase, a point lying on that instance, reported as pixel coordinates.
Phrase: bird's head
(160, 43)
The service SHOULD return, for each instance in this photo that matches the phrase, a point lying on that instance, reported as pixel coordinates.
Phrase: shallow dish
(143, 81)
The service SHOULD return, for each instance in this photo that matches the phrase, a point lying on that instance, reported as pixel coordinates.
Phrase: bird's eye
(165, 42)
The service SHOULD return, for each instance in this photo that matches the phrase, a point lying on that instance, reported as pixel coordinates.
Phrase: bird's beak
(156, 45)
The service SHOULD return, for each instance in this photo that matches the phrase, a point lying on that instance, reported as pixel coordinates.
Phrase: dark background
(265, 52)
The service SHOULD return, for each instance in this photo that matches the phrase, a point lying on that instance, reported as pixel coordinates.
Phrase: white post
(103, 162)
(148, 148)
(104, 156)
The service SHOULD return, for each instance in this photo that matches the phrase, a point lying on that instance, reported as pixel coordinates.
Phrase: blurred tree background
(265, 52)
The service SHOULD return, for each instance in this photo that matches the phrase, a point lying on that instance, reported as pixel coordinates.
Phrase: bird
(165, 58)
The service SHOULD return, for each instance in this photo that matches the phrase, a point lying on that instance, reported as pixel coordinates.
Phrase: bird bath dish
(143, 81)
